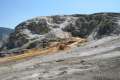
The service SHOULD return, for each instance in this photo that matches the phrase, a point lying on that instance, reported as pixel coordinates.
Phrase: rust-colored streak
(51, 50)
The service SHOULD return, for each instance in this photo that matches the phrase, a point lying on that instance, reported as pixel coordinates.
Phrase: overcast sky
(12, 12)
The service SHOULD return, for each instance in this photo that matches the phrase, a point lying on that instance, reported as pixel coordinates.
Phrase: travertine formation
(97, 59)
(30, 33)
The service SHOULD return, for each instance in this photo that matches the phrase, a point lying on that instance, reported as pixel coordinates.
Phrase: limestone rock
(93, 26)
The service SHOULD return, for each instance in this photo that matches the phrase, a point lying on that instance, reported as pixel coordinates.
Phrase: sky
(13, 12)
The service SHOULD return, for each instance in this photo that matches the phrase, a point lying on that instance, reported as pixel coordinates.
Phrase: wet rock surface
(86, 62)
(97, 59)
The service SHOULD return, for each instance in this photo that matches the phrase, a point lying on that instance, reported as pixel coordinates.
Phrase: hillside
(95, 60)
(4, 33)
(63, 47)
(31, 33)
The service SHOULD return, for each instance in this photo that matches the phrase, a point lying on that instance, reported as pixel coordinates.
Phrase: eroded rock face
(94, 26)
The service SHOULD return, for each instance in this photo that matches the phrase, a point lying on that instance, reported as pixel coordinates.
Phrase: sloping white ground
(96, 60)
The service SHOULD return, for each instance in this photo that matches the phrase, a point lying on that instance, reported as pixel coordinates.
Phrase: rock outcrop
(31, 33)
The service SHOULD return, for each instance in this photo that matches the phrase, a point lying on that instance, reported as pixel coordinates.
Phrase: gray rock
(94, 26)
